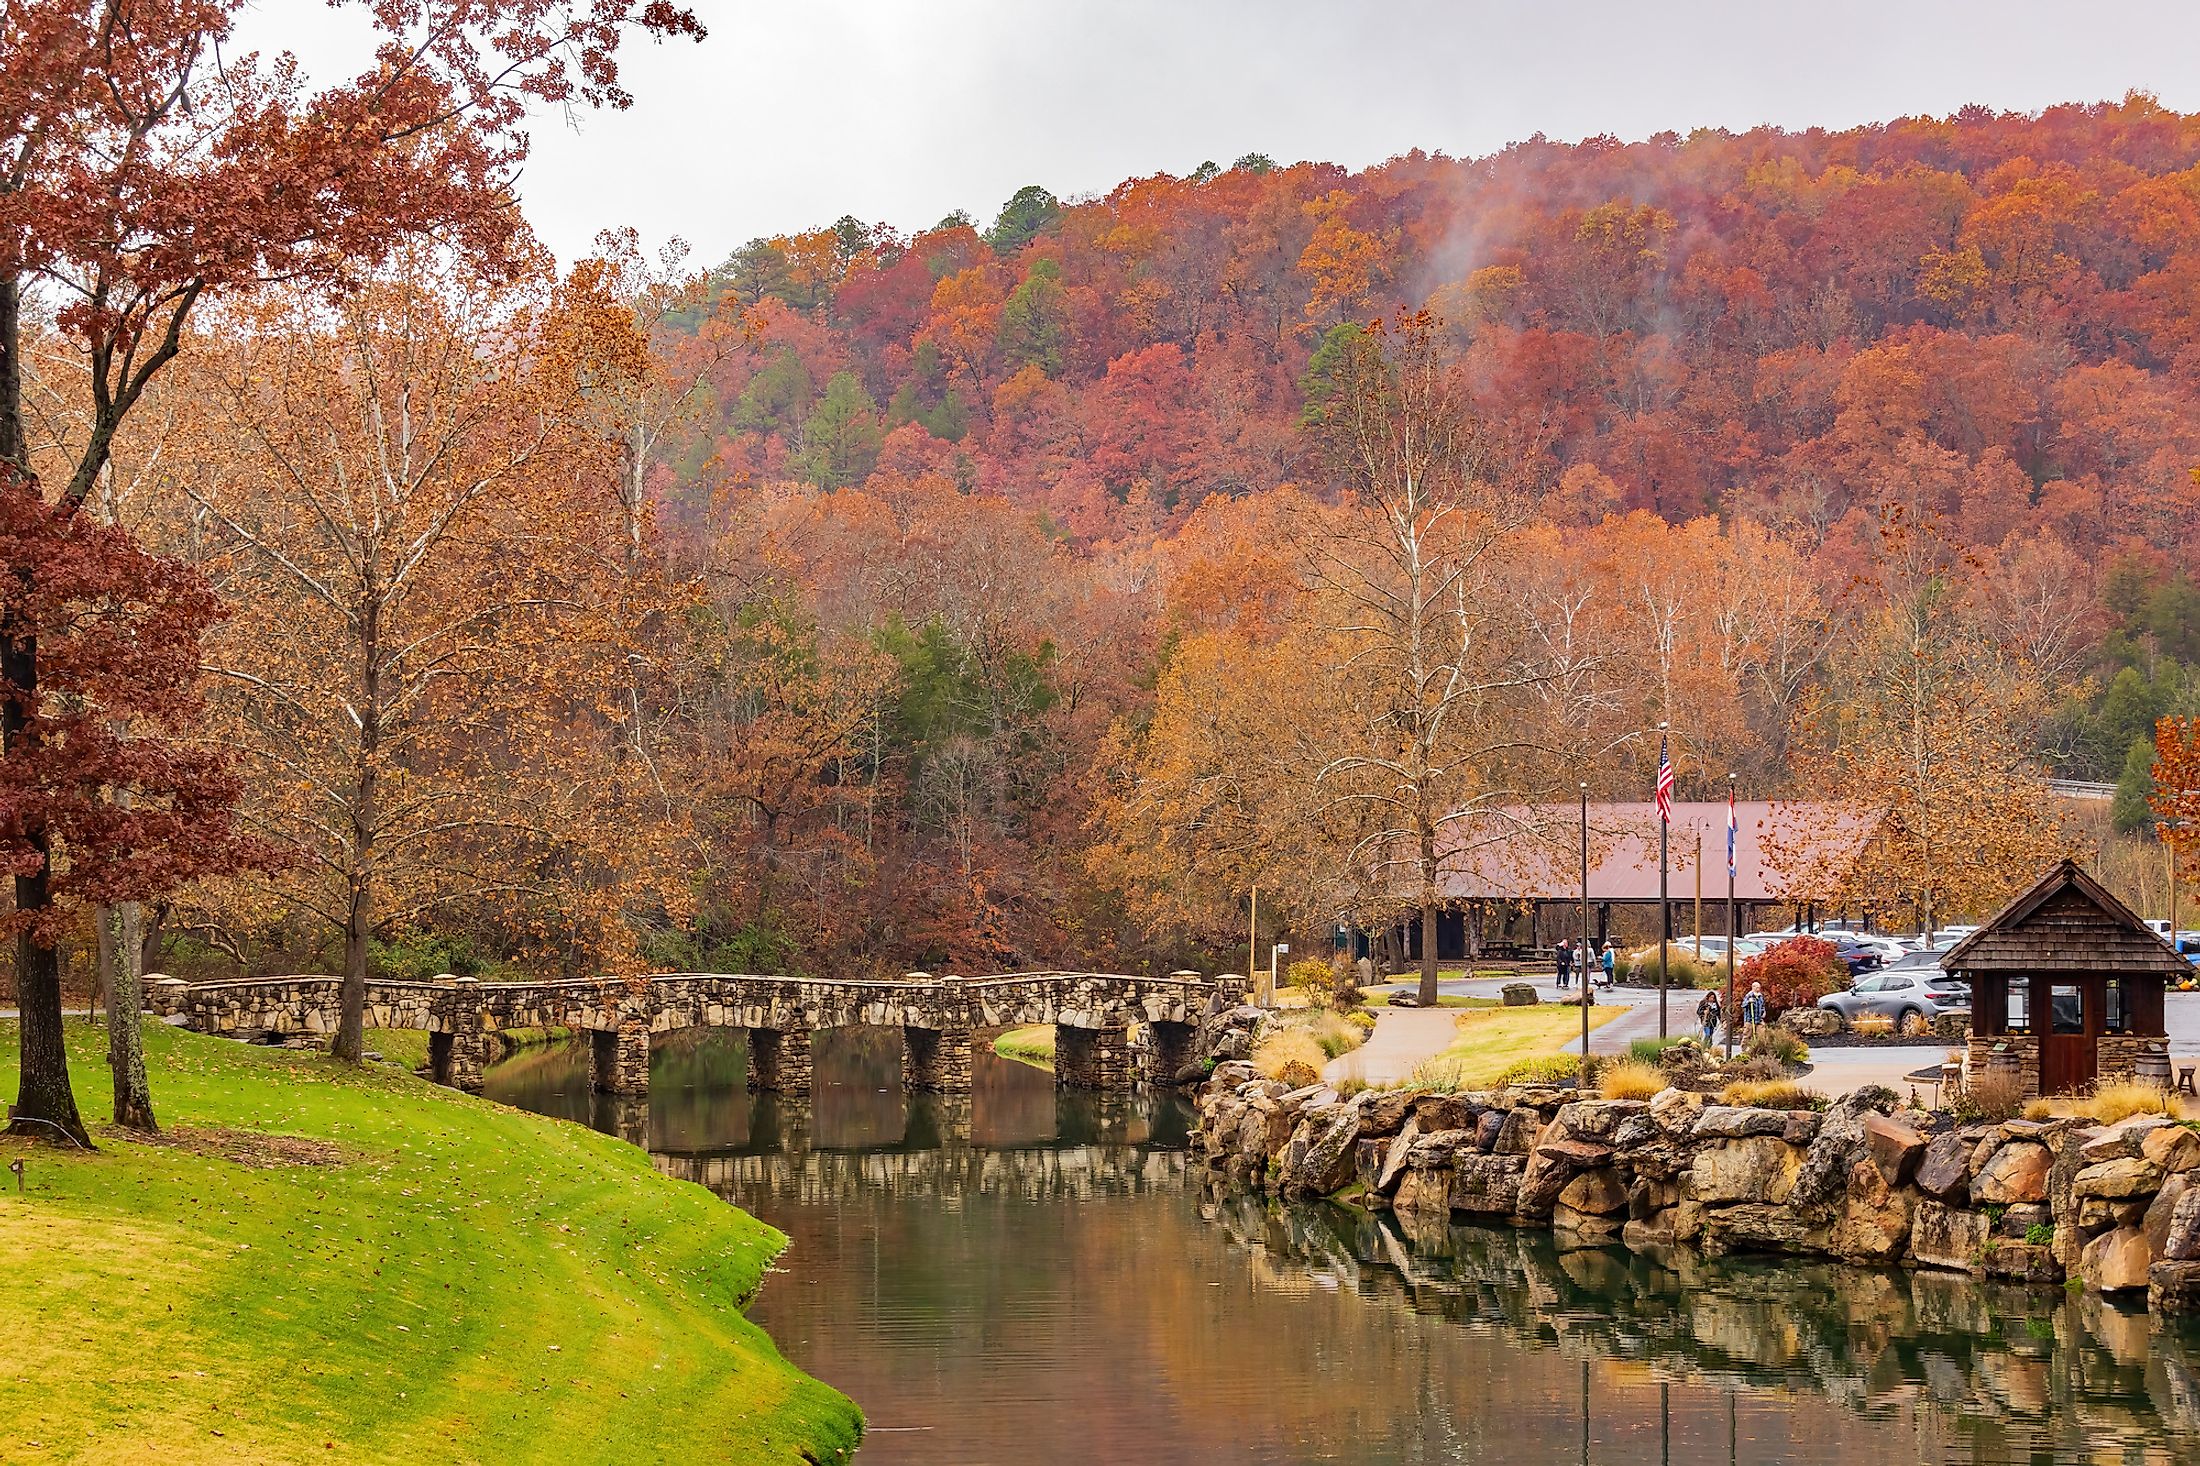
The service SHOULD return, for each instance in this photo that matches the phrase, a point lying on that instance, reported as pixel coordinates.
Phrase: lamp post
(1733, 835)
(1588, 984)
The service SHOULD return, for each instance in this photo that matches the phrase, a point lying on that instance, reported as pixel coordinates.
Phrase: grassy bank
(322, 1260)
(1492, 1040)
(1033, 1046)
(408, 1047)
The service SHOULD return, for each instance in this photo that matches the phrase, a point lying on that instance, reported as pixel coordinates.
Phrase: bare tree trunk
(350, 1043)
(103, 928)
(45, 1106)
(125, 1037)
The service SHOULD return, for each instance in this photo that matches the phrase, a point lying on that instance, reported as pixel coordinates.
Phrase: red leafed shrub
(1795, 974)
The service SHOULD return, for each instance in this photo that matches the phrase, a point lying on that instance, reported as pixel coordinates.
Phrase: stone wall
(1863, 1181)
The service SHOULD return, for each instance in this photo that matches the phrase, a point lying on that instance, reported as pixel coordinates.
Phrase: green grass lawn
(1381, 999)
(321, 1263)
(1033, 1045)
(1492, 1040)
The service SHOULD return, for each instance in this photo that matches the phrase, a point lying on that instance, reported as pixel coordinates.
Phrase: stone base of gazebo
(2117, 1057)
(2022, 1050)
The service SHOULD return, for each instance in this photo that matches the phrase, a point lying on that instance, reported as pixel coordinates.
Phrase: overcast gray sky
(796, 112)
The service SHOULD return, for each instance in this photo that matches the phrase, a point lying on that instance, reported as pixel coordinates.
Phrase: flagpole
(1588, 984)
(1731, 933)
(1665, 903)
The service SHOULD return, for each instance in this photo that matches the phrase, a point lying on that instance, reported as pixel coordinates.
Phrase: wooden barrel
(2152, 1068)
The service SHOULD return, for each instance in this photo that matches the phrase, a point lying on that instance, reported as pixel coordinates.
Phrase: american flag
(1665, 782)
(1730, 834)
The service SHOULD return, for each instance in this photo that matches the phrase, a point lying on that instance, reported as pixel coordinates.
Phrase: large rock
(1676, 1110)
(2174, 1287)
(2161, 1212)
(1384, 1111)
(2118, 1179)
(2181, 1240)
(1394, 1156)
(1522, 1126)
(1264, 1131)
(1874, 1221)
(1320, 1156)
(1894, 1147)
(2115, 1262)
(1580, 1155)
(1758, 1227)
(1598, 1192)
(1944, 1173)
(1946, 1236)
(1759, 1169)
(1540, 1184)
(1811, 1022)
(1488, 1128)
(1824, 1173)
(1443, 1112)
(1582, 1228)
(1519, 994)
(1487, 1185)
(2015, 1172)
(1598, 1119)
(2022, 1262)
(1424, 1193)
(1434, 1148)
(2172, 1147)
(1733, 1122)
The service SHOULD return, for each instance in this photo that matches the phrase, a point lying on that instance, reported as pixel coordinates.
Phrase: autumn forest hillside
(1008, 594)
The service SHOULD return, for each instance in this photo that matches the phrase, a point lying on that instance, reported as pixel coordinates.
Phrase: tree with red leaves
(104, 796)
(144, 169)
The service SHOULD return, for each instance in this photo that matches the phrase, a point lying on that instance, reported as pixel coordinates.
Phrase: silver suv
(1910, 993)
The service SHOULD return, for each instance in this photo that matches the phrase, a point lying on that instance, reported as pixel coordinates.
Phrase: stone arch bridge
(1092, 1014)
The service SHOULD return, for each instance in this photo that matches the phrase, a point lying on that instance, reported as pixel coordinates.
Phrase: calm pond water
(1025, 1277)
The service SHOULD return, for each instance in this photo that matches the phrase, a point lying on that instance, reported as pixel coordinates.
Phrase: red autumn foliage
(100, 765)
(1795, 974)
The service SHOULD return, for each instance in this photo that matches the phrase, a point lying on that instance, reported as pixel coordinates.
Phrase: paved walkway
(1403, 1037)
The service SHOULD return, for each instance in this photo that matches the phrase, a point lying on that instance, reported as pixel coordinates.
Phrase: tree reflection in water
(1023, 1276)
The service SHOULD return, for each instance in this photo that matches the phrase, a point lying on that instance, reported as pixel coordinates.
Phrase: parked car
(1910, 994)
(1714, 948)
(1859, 958)
(1890, 949)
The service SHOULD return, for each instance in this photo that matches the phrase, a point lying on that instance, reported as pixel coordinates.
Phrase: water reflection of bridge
(961, 1172)
(2024, 1375)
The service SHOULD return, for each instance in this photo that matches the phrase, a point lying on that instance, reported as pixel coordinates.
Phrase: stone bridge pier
(779, 1061)
(618, 1058)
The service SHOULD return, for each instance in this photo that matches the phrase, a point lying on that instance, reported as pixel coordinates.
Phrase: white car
(1890, 949)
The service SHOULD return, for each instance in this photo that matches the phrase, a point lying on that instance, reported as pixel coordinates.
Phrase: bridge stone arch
(1093, 1015)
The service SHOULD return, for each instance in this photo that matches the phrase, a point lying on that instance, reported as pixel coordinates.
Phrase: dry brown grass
(2113, 1102)
(1771, 1094)
(1292, 1045)
(1631, 1080)
(1871, 1025)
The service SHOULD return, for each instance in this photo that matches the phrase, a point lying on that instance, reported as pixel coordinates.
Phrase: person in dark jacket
(1565, 961)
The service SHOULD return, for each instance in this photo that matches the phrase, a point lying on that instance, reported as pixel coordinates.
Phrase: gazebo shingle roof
(2067, 922)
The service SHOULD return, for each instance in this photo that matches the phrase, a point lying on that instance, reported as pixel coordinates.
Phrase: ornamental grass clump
(1630, 1079)
(2113, 1102)
(1279, 1051)
(1772, 1094)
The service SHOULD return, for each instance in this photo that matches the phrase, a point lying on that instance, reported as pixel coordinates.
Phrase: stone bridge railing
(1092, 1013)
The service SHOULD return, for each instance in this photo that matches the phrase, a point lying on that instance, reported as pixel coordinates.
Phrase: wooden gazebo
(2066, 986)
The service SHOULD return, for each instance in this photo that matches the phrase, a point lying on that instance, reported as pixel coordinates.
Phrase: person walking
(1565, 961)
(1708, 1013)
(1753, 1009)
